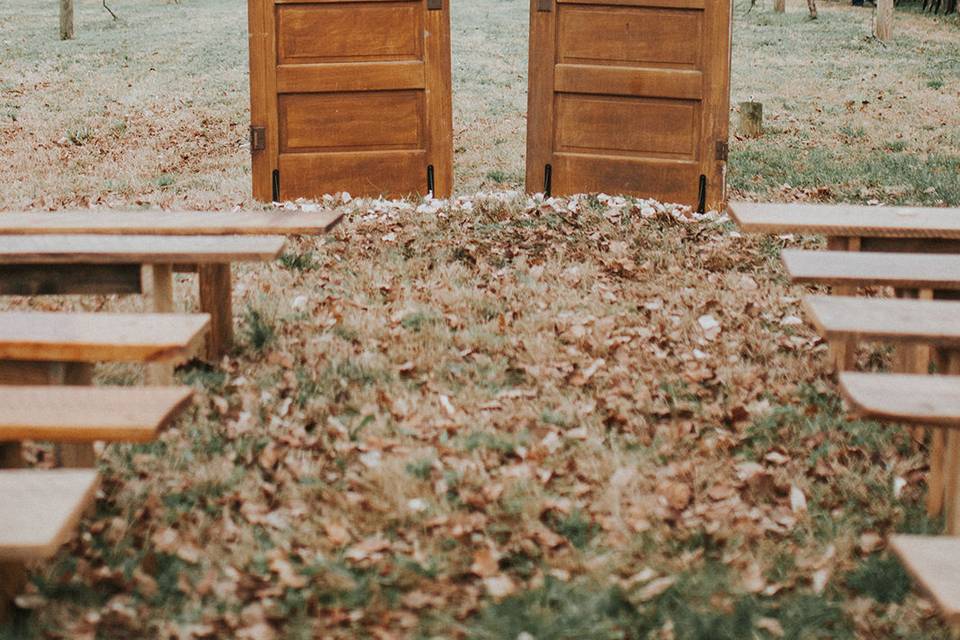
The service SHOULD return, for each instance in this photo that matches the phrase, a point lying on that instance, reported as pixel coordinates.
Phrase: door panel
(351, 96)
(629, 96)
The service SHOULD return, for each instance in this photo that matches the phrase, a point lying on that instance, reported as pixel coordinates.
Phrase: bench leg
(11, 455)
(952, 482)
(13, 577)
(161, 292)
(844, 351)
(216, 298)
(79, 455)
(935, 480)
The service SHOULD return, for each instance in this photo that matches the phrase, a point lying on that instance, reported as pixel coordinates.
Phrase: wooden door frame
(263, 108)
(715, 125)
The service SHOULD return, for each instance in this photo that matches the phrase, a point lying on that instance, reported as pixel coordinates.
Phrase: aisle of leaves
(506, 418)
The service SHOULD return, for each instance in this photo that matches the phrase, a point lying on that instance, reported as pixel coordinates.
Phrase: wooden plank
(261, 69)
(359, 76)
(847, 220)
(137, 250)
(99, 337)
(860, 269)
(931, 322)
(41, 509)
(625, 81)
(540, 96)
(439, 114)
(934, 562)
(904, 398)
(59, 279)
(168, 223)
(88, 414)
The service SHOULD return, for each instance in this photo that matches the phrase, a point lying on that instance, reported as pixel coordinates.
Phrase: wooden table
(113, 264)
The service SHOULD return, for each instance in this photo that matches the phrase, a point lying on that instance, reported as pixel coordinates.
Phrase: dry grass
(485, 419)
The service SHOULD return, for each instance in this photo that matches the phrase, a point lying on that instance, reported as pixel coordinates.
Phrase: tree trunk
(812, 6)
(66, 19)
(883, 28)
(751, 119)
(780, 6)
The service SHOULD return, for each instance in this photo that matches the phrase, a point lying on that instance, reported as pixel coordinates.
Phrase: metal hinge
(702, 197)
(258, 138)
(276, 185)
(544, 5)
(723, 150)
(435, 5)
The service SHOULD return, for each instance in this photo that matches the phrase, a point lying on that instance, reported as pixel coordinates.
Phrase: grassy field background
(153, 109)
(500, 418)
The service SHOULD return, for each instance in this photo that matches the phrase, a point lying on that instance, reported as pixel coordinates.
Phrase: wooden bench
(921, 276)
(934, 562)
(932, 322)
(38, 513)
(106, 264)
(904, 271)
(61, 348)
(929, 322)
(83, 415)
(904, 398)
(853, 227)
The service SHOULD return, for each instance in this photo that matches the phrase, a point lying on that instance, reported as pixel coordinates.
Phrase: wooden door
(630, 97)
(350, 96)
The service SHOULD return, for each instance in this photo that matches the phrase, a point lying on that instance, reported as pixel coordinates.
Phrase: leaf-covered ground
(494, 418)
(587, 419)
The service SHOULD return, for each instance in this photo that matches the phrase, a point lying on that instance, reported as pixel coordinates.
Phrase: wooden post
(66, 19)
(780, 6)
(13, 577)
(952, 463)
(751, 119)
(161, 373)
(216, 295)
(883, 27)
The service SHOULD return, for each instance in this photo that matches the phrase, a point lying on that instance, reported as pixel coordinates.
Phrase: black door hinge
(434, 5)
(702, 198)
(547, 180)
(544, 5)
(723, 150)
(276, 185)
(430, 181)
(258, 138)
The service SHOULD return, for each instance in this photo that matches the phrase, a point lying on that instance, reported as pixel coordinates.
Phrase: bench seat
(169, 223)
(100, 337)
(845, 220)
(88, 414)
(137, 249)
(906, 398)
(934, 562)
(932, 322)
(40, 509)
(861, 269)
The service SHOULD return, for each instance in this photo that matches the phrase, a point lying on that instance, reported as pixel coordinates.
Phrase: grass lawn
(500, 418)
